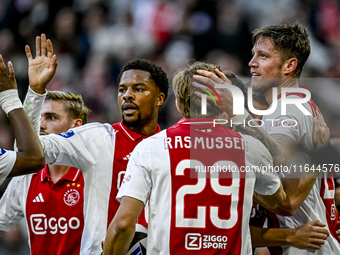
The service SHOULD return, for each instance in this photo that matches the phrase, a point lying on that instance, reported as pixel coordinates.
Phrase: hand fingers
(210, 75)
(54, 61)
(319, 235)
(49, 49)
(320, 118)
(205, 80)
(222, 76)
(37, 47)
(199, 85)
(2, 66)
(318, 223)
(43, 44)
(209, 98)
(54, 64)
(28, 52)
(11, 70)
(316, 123)
(314, 246)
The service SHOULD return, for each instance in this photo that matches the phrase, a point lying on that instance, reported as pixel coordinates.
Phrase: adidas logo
(38, 198)
(127, 157)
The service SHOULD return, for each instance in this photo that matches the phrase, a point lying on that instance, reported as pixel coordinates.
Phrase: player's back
(200, 188)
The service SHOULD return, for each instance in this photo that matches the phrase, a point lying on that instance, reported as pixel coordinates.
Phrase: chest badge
(71, 197)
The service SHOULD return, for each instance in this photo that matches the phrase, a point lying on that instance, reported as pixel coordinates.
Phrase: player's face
(138, 97)
(265, 66)
(54, 119)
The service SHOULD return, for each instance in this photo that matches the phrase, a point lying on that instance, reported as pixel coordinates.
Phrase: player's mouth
(129, 108)
(254, 75)
(43, 133)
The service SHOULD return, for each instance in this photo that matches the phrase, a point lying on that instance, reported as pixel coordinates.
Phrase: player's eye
(139, 89)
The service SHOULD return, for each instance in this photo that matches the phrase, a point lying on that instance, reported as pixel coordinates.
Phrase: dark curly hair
(291, 40)
(157, 73)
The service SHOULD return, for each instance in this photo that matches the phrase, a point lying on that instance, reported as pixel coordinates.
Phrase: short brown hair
(74, 104)
(291, 40)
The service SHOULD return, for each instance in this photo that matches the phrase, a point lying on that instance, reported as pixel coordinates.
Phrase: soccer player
(310, 235)
(279, 54)
(52, 199)
(30, 155)
(193, 210)
(102, 151)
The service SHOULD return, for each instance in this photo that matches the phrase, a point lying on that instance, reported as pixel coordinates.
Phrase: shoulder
(19, 181)
(152, 144)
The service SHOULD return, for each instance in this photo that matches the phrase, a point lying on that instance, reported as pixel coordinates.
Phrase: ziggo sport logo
(238, 100)
(195, 241)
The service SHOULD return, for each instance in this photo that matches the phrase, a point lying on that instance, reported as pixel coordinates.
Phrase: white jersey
(299, 127)
(191, 209)
(7, 161)
(92, 149)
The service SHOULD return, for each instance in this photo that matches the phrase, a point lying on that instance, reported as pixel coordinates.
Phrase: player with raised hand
(101, 151)
(29, 156)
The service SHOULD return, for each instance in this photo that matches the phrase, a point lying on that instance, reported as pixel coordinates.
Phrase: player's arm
(41, 69)
(309, 236)
(30, 155)
(122, 227)
(271, 201)
(297, 188)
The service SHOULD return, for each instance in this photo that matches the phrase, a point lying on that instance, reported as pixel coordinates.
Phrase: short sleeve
(7, 161)
(137, 180)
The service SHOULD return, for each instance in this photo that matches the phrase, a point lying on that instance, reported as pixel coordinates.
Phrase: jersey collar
(132, 135)
(295, 93)
(72, 175)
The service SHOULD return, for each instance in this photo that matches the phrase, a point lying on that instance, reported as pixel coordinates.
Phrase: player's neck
(147, 129)
(57, 172)
(287, 83)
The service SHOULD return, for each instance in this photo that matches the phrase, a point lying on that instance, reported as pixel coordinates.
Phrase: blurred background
(93, 39)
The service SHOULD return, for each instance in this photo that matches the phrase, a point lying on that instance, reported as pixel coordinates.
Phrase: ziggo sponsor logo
(40, 224)
(195, 241)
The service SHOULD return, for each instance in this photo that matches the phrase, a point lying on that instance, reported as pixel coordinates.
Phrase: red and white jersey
(7, 161)
(299, 127)
(53, 211)
(101, 152)
(200, 186)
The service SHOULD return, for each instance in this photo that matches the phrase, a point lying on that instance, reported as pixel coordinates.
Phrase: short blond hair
(74, 104)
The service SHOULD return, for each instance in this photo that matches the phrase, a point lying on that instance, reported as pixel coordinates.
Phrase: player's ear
(177, 105)
(290, 66)
(77, 122)
(160, 99)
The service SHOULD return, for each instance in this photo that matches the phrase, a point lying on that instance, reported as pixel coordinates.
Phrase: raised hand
(42, 68)
(7, 81)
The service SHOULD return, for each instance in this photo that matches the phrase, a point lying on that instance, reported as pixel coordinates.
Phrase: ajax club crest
(71, 197)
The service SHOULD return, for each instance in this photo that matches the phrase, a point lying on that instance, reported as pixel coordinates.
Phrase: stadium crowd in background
(95, 38)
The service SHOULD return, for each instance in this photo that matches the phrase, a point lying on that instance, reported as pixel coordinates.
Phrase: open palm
(42, 68)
